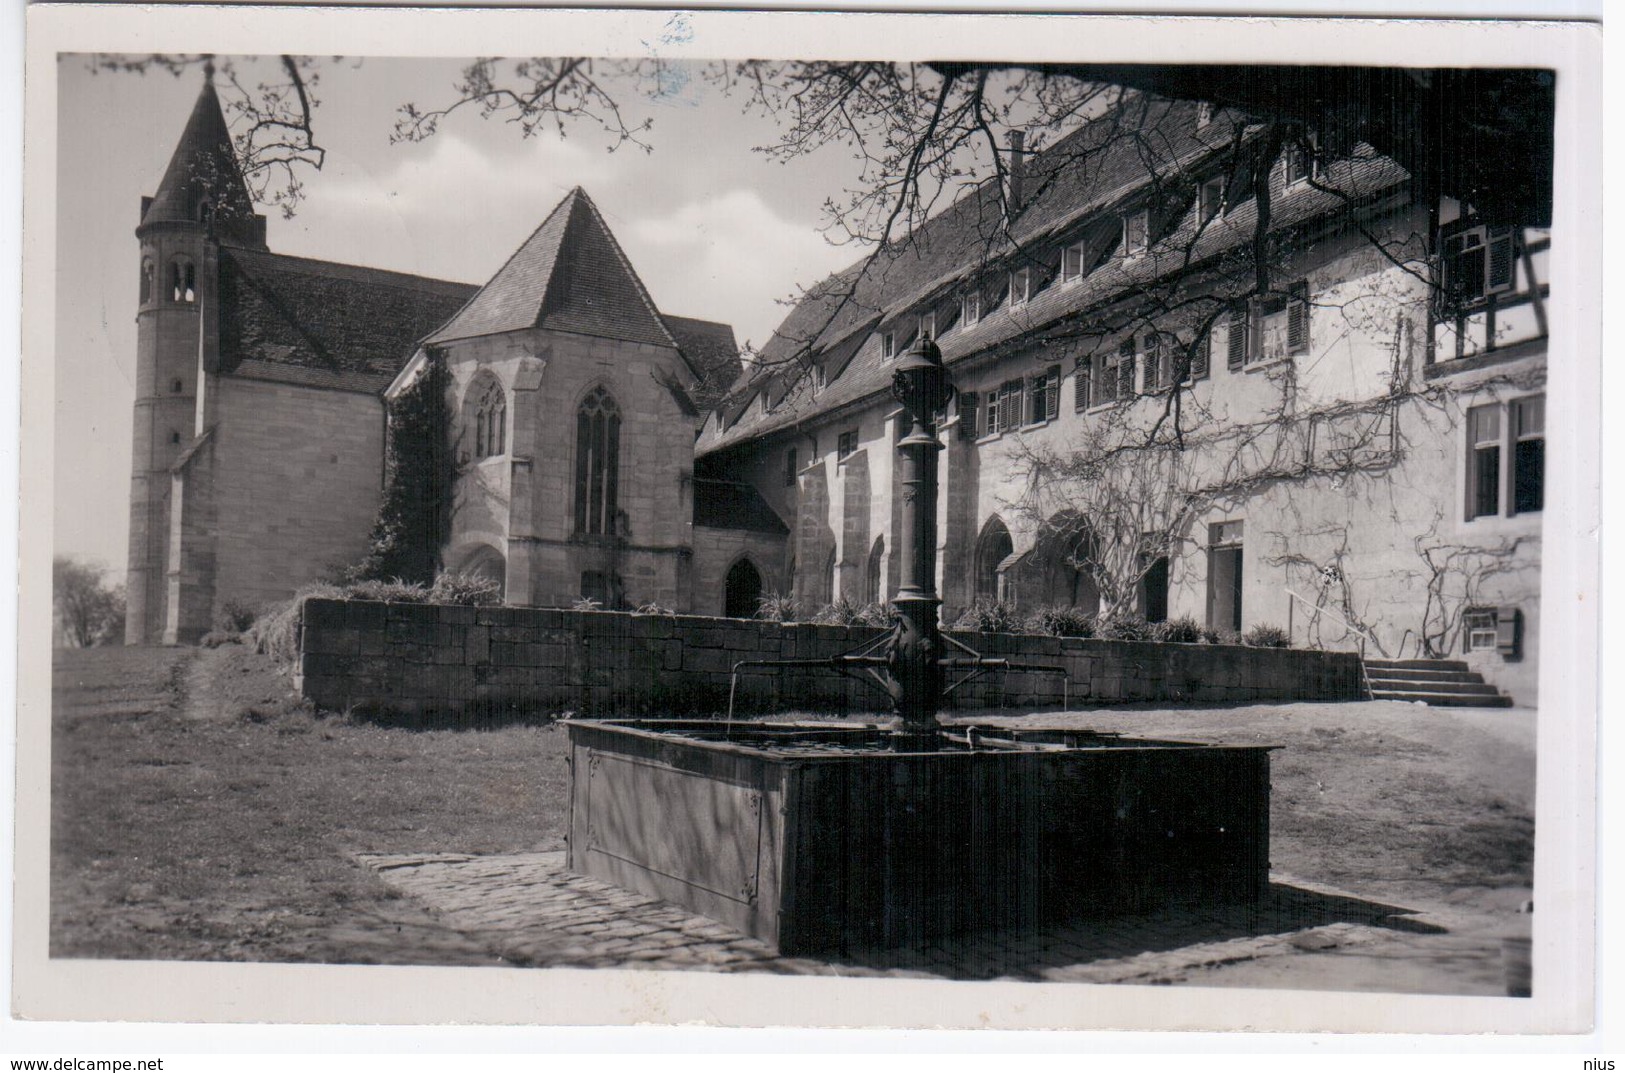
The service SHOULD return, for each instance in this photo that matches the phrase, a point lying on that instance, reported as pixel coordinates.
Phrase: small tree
(87, 610)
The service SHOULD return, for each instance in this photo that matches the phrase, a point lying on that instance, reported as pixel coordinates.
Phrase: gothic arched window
(146, 282)
(598, 449)
(491, 421)
(182, 281)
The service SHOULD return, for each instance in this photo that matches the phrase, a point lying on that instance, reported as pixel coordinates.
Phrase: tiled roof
(711, 349)
(203, 165)
(304, 376)
(334, 319)
(569, 276)
(1065, 187)
(734, 505)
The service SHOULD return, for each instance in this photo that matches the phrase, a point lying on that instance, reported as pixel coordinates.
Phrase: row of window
(1257, 331)
(181, 285)
(1219, 193)
(1506, 441)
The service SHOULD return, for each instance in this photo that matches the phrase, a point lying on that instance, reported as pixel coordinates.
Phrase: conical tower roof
(569, 275)
(204, 168)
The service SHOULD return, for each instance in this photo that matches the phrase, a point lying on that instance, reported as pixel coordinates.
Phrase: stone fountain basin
(819, 839)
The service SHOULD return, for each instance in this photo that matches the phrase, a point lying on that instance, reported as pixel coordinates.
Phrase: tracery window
(598, 447)
(491, 422)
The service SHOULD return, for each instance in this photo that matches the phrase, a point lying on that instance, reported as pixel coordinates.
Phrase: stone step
(1417, 664)
(1400, 674)
(1401, 685)
(1445, 700)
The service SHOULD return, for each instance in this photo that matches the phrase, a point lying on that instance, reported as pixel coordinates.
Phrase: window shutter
(1010, 405)
(1203, 357)
(1052, 392)
(1297, 319)
(1125, 369)
(1498, 272)
(967, 415)
(1507, 633)
(1238, 337)
(1082, 380)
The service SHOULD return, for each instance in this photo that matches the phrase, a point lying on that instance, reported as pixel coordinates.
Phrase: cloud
(449, 208)
(728, 257)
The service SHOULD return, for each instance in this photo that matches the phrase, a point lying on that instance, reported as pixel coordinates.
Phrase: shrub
(586, 603)
(465, 589)
(1062, 622)
(233, 617)
(216, 638)
(1220, 636)
(776, 607)
(1126, 628)
(875, 614)
(275, 632)
(652, 608)
(842, 612)
(994, 617)
(393, 591)
(1266, 636)
(1183, 631)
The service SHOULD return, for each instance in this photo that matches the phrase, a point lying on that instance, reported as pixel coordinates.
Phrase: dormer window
(970, 308)
(1210, 199)
(1072, 263)
(819, 379)
(1021, 287)
(1300, 161)
(888, 345)
(928, 325)
(182, 281)
(1204, 114)
(1136, 232)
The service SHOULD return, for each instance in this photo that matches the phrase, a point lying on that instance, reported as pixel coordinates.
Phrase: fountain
(824, 838)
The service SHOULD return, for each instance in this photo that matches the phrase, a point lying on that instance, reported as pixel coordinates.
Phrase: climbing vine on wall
(419, 474)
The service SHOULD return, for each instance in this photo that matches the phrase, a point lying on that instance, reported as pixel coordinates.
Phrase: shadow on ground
(1286, 912)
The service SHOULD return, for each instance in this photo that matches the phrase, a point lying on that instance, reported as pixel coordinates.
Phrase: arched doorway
(742, 591)
(993, 547)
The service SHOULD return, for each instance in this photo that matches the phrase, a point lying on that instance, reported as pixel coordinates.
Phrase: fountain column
(914, 654)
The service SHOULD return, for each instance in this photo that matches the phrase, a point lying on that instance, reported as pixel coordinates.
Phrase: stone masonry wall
(429, 660)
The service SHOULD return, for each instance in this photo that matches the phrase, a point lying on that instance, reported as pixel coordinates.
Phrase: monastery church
(262, 380)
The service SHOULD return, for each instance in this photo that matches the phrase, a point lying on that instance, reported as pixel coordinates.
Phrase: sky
(714, 229)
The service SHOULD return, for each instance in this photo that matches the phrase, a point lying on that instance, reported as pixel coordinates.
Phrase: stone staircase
(1438, 682)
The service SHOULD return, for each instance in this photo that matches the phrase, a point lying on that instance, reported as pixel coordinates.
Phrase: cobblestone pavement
(529, 911)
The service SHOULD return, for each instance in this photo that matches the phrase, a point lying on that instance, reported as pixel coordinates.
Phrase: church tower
(202, 202)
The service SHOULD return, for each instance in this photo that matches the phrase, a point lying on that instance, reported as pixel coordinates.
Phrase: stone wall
(426, 660)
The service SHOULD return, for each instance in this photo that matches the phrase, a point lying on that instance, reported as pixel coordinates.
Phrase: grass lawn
(199, 813)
